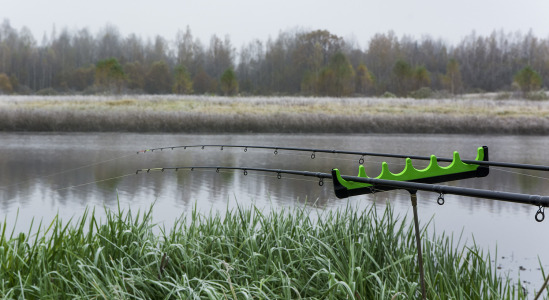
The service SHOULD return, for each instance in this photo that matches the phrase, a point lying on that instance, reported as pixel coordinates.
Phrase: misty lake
(43, 175)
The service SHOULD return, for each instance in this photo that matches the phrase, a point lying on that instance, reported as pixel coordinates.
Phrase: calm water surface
(42, 175)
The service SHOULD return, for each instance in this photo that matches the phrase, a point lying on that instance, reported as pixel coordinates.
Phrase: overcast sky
(245, 20)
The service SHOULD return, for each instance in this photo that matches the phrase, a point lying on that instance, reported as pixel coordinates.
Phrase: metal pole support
(413, 197)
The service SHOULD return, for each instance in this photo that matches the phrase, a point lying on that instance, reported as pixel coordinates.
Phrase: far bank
(213, 114)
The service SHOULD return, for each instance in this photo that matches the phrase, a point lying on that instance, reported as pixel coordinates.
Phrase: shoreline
(202, 114)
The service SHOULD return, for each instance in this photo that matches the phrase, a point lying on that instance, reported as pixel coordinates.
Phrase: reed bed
(245, 253)
(196, 114)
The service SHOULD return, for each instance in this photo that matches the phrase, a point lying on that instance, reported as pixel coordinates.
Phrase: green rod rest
(434, 173)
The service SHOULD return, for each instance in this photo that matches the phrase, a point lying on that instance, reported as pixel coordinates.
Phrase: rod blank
(483, 163)
(541, 201)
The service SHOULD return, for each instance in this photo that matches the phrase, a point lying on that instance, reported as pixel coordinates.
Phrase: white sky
(245, 20)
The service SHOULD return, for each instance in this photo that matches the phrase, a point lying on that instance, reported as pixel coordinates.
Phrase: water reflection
(46, 174)
(57, 168)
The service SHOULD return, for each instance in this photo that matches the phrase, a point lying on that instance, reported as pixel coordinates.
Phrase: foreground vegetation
(190, 114)
(242, 254)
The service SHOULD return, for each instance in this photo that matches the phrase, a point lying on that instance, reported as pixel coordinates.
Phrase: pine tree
(528, 79)
(229, 83)
(109, 74)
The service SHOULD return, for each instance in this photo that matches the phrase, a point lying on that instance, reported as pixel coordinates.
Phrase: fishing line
(542, 201)
(502, 186)
(66, 171)
(303, 179)
(84, 184)
(364, 161)
(259, 175)
(313, 155)
(96, 181)
(440, 198)
(361, 160)
(266, 175)
(519, 173)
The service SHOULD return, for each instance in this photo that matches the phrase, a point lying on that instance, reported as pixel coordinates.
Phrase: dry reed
(195, 114)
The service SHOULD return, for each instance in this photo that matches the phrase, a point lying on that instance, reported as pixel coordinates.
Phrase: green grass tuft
(244, 253)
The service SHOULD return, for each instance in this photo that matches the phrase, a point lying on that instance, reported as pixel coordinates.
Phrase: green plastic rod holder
(434, 173)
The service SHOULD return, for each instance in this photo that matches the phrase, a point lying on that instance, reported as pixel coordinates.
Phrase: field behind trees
(296, 62)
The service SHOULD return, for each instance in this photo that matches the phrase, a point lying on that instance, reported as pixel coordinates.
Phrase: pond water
(42, 175)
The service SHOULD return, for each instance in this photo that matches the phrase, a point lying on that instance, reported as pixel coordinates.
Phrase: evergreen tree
(109, 75)
(528, 79)
(182, 81)
(421, 78)
(402, 72)
(229, 83)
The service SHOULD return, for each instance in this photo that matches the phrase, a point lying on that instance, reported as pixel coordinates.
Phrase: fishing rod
(379, 185)
(362, 155)
(409, 179)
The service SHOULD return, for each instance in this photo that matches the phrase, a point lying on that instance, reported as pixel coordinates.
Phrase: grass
(244, 254)
(171, 113)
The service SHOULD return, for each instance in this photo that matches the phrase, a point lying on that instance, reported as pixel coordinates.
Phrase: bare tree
(291, 63)
(108, 43)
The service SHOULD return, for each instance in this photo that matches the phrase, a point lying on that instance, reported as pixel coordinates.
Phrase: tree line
(296, 62)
